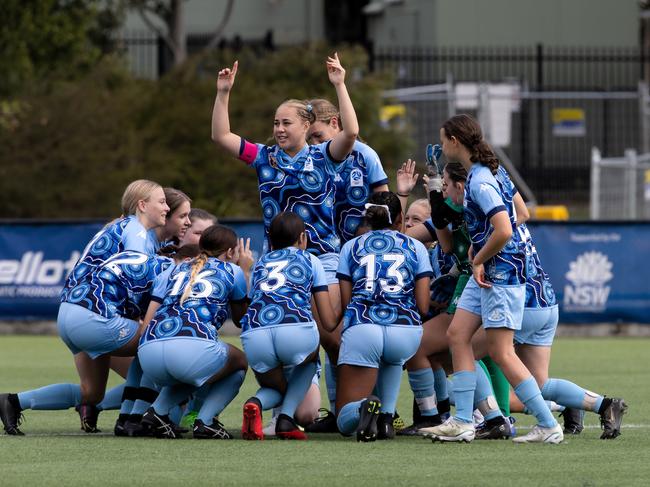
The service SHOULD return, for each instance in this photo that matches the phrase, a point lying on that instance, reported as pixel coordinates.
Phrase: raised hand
(335, 71)
(245, 260)
(226, 78)
(406, 178)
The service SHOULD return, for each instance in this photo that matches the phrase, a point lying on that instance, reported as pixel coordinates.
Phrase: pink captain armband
(247, 151)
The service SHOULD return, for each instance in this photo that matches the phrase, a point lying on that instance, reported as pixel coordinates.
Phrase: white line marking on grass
(596, 427)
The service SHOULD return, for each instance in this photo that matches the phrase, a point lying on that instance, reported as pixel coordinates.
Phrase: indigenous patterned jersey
(303, 184)
(205, 308)
(382, 266)
(539, 290)
(486, 195)
(120, 286)
(354, 180)
(123, 234)
(283, 282)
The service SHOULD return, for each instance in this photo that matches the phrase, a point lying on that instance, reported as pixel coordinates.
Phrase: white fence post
(594, 204)
(630, 170)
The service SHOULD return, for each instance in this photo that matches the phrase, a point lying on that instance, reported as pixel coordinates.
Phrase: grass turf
(56, 452)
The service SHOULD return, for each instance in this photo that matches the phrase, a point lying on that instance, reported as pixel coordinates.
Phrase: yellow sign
(568, 122)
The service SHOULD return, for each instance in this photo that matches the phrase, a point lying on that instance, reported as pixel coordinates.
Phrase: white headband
(390, 220)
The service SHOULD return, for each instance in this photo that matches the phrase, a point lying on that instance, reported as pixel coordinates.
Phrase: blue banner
(35, 258)
(600, 271)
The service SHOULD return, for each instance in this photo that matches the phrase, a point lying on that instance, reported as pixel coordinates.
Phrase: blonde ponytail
(198, 264)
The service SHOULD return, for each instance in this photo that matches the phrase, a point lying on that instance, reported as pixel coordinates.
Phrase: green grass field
(55, 452)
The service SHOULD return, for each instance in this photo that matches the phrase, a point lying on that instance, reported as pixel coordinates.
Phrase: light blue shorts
(271, 346)
(85, 331)
(538, 327)
(183, 360)
(330, 263)
(498, 306)
(369, 345)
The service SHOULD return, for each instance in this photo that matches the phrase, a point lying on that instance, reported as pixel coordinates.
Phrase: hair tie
(390, 220)
(309, 107)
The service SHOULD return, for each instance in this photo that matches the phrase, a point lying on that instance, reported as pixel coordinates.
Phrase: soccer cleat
(120, 425)
(385, 427)
(513, 428)
(368, 415)
(287, 429)
(425, 422)
(252, 424)
(398, 422)
(538, 434)
(269, 429)
(451, 430)
(88, 414)
(325, 424)
(494, 429)
(187, 421)
(160, 426)
(611, 418)
(214, 431)
(10, 414)
(573, 421)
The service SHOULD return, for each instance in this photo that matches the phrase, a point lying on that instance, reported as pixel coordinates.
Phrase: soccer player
(533, 344)
(384, 277)
(177, 221)
(180, 348)
(354, 179)
(200, 220)
(279, 329)
(99, 318)
(144, 208)
(495, 294)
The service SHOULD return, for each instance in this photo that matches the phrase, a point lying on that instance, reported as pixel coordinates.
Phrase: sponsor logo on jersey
(588, 275)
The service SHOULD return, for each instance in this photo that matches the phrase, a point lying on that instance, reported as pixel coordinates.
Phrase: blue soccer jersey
(539, 290)
(205, 308)
(121, 286)
(354, 180)
(383, 266)
(303, 184)
(282, 285)
(484, 197)
(123, 234)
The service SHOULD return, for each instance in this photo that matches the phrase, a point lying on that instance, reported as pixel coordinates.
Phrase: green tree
(40, 39)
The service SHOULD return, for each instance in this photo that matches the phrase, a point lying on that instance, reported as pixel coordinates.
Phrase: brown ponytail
(468, 132)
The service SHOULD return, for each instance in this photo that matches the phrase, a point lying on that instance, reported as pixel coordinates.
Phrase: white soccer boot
(539, 434)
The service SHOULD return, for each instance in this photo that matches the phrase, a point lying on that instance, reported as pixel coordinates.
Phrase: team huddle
(450, 289)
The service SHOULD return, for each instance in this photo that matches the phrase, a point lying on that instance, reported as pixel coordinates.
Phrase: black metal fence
(539, 67)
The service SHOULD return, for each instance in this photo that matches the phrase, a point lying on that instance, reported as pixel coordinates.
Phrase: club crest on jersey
(356, 178)
(309, 164)
(273, 161)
